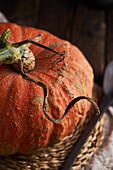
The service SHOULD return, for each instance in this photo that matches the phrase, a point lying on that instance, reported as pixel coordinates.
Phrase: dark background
(87, 24)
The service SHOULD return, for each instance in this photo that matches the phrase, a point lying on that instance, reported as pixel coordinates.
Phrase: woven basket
(54, 157)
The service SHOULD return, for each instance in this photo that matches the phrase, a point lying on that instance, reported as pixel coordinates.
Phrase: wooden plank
(89, 33)
(20, 12)
(109, 40)
(55, 16)
(7, 7)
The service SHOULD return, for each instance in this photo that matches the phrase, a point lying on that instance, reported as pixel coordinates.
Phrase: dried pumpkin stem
(70, 105)
(19, 44)
(11, 52)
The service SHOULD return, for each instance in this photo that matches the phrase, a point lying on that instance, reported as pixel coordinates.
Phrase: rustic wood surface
(88, 27)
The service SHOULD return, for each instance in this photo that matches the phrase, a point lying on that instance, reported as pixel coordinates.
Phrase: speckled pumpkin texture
(23, 125)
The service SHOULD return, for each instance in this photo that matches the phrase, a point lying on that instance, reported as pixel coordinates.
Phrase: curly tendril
(45, 91)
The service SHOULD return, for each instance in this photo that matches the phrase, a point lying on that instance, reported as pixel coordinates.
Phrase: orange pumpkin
(23, 125)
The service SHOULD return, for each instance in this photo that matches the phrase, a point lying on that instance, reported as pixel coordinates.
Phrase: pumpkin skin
(23, 125)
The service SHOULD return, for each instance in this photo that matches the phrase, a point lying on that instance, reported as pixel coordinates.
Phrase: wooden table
(89, 28)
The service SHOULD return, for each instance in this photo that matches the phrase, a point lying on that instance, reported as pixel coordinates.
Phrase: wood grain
(53, 16)
(89, 31)
(19, 11)
(109, 39)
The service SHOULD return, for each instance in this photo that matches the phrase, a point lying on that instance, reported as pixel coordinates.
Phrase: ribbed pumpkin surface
(23, 125)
